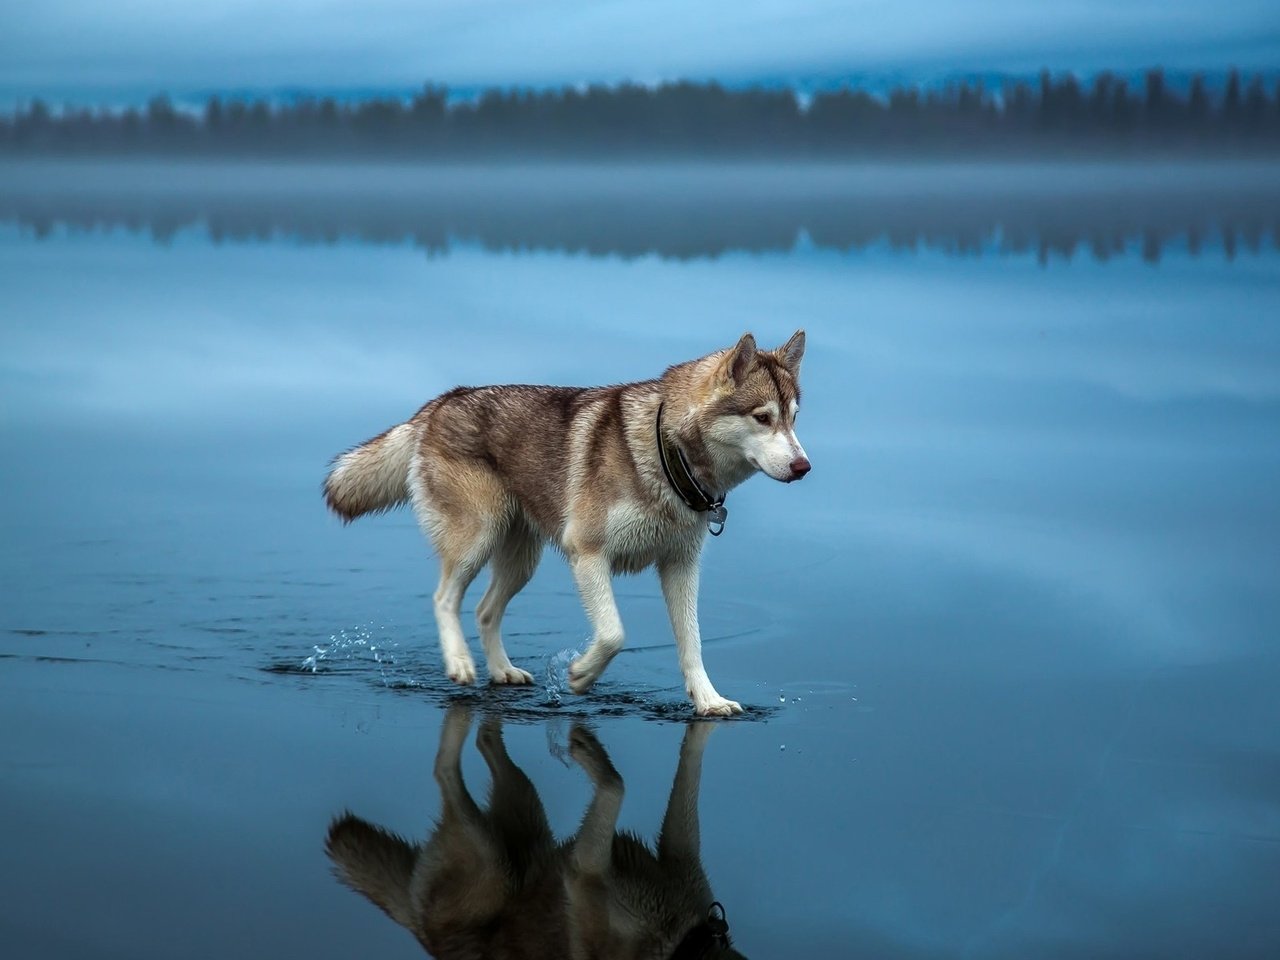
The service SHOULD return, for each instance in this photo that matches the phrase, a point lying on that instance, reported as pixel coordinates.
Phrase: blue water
(1009, 651)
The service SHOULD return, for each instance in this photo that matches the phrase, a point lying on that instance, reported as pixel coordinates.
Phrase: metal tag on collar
(716, 518)
(718, 924)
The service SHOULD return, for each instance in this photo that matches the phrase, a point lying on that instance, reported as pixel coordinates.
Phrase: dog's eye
(763, 418)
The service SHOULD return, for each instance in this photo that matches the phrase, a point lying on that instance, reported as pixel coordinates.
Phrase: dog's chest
(638, 536)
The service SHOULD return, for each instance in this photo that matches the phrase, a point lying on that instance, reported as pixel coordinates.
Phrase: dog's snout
(799, 467)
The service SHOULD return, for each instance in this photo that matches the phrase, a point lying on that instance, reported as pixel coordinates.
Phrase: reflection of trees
(644, 215)
(684, 118)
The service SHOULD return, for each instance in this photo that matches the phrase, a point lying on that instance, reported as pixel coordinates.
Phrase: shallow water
(1009, 652)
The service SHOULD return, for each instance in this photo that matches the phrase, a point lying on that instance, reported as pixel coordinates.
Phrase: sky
(81, 48)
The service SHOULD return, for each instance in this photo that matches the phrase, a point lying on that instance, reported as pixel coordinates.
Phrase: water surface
(1009, 650)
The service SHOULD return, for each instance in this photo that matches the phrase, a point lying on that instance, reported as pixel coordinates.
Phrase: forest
(1059, 115)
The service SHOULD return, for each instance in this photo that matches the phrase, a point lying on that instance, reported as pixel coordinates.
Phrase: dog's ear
(791, 353)
(738, 361)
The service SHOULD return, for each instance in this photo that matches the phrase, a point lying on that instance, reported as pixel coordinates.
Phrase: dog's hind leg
(459, 880)
(515, 809)
(456, 801)
(514, 560)
(456, 574)
(467, 512)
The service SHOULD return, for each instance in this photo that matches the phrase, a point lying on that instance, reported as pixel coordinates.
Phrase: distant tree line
(679, 119)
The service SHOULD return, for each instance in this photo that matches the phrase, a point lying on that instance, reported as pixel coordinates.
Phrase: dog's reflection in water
(495, 883)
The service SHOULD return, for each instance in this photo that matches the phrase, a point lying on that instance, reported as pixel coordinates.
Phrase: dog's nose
(799, 467)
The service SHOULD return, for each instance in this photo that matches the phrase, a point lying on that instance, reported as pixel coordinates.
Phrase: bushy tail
(374, 862)
(371, 477)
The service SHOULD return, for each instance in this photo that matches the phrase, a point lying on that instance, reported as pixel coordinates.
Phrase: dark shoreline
(672, 210)
(1054, 115)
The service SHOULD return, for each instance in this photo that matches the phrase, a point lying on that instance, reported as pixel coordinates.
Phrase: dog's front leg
(591, 571)
(593, 846)
(679, 576)
(681, 836)
(588, 881)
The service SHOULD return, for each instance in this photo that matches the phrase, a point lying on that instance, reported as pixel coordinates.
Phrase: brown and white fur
(493, 473)
(496, 883)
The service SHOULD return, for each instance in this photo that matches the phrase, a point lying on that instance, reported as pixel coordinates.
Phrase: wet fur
(494, 473)
(494, 882)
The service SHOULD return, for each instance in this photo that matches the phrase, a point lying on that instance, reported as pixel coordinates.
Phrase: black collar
(711, 934)
(678, 473)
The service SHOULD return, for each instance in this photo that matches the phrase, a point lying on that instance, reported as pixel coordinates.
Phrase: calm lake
(1009, 652)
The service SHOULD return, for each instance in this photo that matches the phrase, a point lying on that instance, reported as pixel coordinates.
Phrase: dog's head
(753, 399)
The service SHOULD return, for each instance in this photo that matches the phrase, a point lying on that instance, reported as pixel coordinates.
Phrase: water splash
(557, 678)
(558, 739)
(354, 653)
(354, 647)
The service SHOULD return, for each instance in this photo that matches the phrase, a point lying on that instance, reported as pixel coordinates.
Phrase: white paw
(489, 737)
(510, 674)
(460, 670)
(457, 721)
(587, 752)
(717, 706)
(581, 677)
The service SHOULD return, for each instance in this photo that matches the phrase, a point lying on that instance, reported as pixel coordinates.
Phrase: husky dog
(496, 883)
(619, 478)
